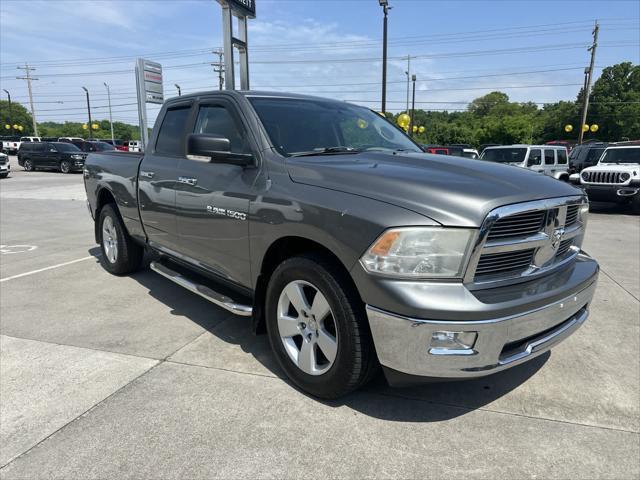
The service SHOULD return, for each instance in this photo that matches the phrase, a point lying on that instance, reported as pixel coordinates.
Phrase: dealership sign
(152, 77)
(246, 8)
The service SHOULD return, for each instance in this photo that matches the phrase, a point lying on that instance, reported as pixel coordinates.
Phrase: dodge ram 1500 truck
(344, 241)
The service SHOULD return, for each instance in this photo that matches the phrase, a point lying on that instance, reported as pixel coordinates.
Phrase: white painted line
(45, 269)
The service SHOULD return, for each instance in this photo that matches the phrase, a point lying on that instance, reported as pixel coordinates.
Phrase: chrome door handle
(188, 180)
(147, 174)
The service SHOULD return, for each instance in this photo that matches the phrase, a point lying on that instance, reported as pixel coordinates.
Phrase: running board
(205, 292)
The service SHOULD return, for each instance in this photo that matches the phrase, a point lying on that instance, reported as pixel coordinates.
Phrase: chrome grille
(497, 263)
(521, 225)
(524, 240)
(564, 247)
(602, 177)
(572, 215)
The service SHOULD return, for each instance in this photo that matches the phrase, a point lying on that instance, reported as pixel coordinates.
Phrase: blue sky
(533, 50)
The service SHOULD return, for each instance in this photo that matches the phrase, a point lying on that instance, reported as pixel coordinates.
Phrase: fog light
(452, 341)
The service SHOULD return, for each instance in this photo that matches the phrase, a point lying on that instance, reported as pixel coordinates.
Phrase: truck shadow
(230, 345)
(609, 208)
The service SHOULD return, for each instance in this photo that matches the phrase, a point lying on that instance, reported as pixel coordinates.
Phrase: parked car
(117, 143)
(616, 177)
(95, 146)
(29, 139)
(344, 241)
(568, 144)
(48, 139)
(585, 155)
(485, 145)
(62, 156)
(11, 145)
(455, 150)
(470, 153)
(5, 165)
(547, 159)
(135, 145)
(435, 149)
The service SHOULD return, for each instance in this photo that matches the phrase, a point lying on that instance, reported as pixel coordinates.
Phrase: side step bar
(205, 292)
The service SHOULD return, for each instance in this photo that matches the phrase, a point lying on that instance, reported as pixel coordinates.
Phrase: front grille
(520, 225)
(601, 177)
(572, 215)
(503, 263)
(564, 247)
(3, 160)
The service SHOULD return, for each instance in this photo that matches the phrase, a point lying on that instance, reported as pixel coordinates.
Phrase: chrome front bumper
(404, 344)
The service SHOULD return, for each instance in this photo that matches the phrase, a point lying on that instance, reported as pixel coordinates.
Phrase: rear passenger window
(535, 157)
(548, 157)
(216, 120)
(171, 134)
(562, 157)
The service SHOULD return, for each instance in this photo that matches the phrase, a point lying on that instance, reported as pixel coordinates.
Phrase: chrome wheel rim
(109, 240)
(65, 167)
(27, 165)
(307, 328)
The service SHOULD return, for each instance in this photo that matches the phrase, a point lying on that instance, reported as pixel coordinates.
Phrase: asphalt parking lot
(134, 377)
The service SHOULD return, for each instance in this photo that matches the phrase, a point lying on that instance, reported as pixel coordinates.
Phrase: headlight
(585, 176)
(419, 252)
(624, 176)
(76, 157)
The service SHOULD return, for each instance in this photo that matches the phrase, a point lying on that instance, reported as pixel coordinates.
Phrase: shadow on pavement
(435, 401)
(605, 208)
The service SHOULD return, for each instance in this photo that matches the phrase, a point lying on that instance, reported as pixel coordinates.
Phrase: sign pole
(243, 10)
(227, 35)
(142, 103)
(150, 90)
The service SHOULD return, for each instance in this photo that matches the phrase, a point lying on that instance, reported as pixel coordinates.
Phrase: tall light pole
(9, 97)
(385, 8)
(113, 140)
(88, 111)
(178, 88)
(413, 105)
(408, 73)
(27, 69)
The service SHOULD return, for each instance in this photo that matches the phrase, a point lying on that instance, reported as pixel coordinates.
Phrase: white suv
(548, 159)
(616, 177)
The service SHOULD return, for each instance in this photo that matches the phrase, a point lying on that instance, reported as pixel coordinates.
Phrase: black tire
(129, 254)
(355, 361)
(28, 165)
(65, 166)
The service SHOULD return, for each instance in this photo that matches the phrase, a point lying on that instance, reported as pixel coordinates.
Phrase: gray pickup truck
(349, 246)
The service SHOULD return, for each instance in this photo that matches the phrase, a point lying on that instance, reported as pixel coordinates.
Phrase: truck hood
(450, 190)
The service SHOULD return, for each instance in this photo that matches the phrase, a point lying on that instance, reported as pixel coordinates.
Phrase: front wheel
(120, 254)
(65, 166)
(317, 327)
(28, 165)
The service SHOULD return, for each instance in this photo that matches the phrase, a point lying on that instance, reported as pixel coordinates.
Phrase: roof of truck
(256, 93)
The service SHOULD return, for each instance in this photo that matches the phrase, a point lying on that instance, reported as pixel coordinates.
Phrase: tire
(351, 361)
(28, 165)
(120, 254)
(65, 166)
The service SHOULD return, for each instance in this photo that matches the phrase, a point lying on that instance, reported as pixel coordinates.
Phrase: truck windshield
(504, 155)
(621, 155)
(299, 126)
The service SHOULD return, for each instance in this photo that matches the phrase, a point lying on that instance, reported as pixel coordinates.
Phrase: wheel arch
(278, 251)
(103, 197)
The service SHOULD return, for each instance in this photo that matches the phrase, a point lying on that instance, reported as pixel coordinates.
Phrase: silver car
(548, 159)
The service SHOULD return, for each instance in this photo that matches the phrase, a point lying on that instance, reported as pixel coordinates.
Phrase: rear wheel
(120, 254)
(28, 165)
(65, 166)
(317, 327)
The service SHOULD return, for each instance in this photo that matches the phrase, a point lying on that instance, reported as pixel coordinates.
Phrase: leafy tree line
(614, 107)
(492, 118)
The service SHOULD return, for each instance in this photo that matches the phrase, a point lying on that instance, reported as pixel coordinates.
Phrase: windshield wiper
(326, 151)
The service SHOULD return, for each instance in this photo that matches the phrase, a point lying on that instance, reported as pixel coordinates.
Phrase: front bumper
(612, 193)
(5, 168)
(403, 343)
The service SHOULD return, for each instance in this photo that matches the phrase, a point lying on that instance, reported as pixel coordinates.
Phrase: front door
(157, 178)
(549, 161)
(46, 155)
(213, 198)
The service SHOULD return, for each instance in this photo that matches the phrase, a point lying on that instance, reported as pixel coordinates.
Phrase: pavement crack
(619, 284)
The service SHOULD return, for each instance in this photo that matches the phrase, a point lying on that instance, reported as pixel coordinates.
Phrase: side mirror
(215, 149)
(574, 178)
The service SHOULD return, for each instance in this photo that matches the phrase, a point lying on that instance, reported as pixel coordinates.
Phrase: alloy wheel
(110, 240)
(307, 327)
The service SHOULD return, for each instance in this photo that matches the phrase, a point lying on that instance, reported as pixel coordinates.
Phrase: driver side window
(217, 120)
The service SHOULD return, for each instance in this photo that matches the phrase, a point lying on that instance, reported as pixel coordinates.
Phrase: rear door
(534, 161)
(213, 198)
(562, 163)
(44, 155)
(157, 178)
(549, 161)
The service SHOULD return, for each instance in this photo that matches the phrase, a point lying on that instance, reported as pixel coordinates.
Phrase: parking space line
(13, 277)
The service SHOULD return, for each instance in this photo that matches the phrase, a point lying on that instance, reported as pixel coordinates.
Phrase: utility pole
(385, 8)
(9, 97)
(413, 105)
(88, 111)
(113, 140)
(178, 88)
(408, 72)
(27, 69)
(587, 90)
(219, 68)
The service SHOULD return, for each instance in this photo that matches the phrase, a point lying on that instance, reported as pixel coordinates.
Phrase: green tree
(19, 115)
